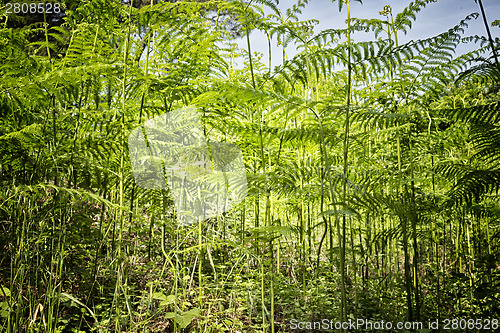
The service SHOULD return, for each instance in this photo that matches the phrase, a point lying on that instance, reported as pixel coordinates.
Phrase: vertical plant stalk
(492, 44)
(200, 255)
(247, 34)
(345, 168)
(414, 218)
(324, 151)
(45, 24)
(122, 124)
(121, 194)
(267, 221)
(411, 284)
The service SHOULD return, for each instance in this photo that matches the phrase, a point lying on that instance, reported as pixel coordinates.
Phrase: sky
(434, 19)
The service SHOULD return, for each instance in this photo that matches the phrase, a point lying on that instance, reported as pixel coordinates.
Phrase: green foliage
(372, 168)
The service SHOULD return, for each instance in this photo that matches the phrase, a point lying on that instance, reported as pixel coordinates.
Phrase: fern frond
(488, 113)
(474, 185)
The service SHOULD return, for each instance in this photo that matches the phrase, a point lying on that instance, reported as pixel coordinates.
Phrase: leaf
(170, 299)
(4, 309)
(185, 319)
(170, 315)
(159, 296)
(4, 291)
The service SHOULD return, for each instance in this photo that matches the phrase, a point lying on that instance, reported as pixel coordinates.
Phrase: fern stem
(247, 34)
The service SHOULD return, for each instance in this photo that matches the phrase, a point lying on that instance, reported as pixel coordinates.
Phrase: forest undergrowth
(372, 169)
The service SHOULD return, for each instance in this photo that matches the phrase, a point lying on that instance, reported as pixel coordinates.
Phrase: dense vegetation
(373, 170)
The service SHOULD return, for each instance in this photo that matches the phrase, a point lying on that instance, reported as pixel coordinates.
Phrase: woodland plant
(372, 170)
